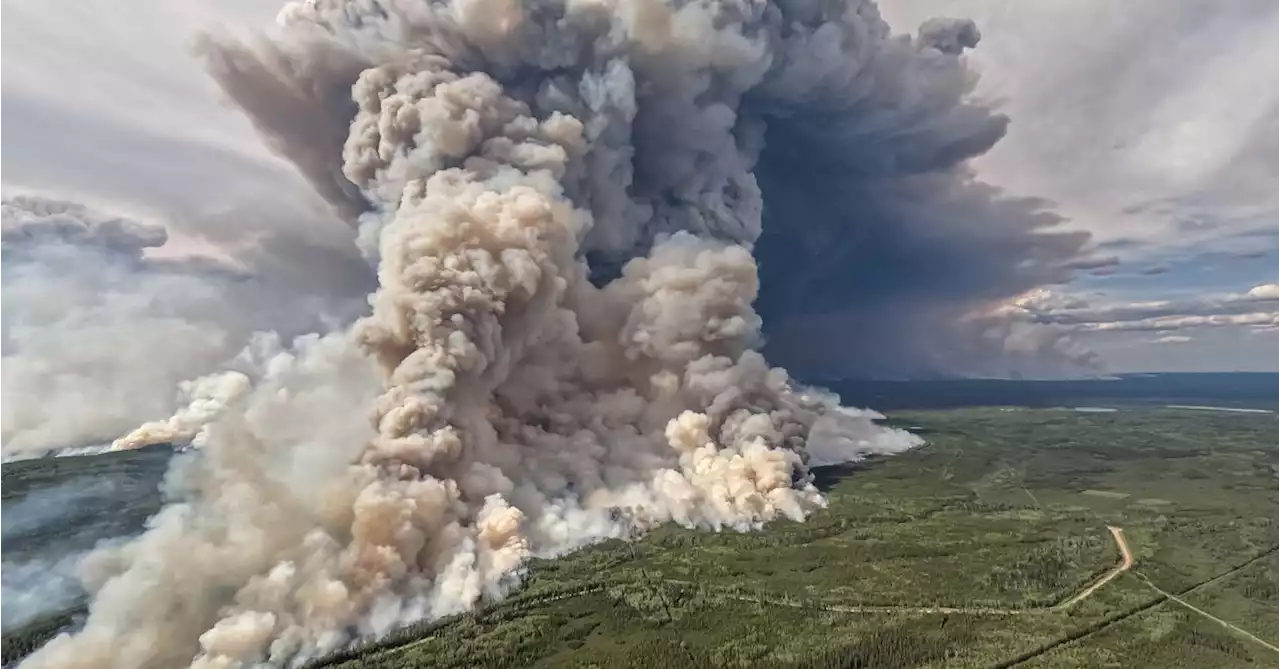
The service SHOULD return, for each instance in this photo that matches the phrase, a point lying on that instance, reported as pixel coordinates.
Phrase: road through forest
(1126, 561)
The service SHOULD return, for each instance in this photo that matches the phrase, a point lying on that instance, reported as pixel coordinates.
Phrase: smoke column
(835, 149)
(562, 202)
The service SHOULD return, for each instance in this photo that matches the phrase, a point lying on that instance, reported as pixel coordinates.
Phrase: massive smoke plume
(809, 130)
(562, 199)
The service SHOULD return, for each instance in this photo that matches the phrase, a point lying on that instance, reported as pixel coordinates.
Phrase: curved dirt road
(1126, 561)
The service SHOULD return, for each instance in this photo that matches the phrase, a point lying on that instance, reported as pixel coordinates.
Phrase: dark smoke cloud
(1094, 262)
(300, 102)
(880, 248)
(844, 160)
(29, 222)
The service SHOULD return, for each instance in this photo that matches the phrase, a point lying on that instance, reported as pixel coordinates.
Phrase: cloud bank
(98, 335)
(1188, 332)
(1255, 308)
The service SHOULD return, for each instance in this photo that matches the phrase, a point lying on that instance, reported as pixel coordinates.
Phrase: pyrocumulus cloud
(562, 200)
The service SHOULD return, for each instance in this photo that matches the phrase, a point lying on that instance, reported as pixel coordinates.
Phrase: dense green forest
(968, 552)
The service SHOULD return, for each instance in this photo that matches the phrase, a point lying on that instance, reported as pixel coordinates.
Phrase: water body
(1195, 407)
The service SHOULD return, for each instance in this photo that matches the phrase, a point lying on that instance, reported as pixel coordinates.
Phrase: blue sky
(1150, 124)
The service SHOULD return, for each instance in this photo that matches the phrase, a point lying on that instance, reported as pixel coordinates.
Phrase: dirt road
(1126, 561)
(1206, 614)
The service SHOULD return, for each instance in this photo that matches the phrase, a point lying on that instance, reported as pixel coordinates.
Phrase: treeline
(1051, 572)
(658, 625)
(928, 639)
(26, 640)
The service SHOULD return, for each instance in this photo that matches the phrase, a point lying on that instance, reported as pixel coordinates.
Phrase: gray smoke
(66, 503)
(46, 533)
(29, 222)
(97, 336)
(835, 147)
(299, 99)
(38, 587)
(563, 200)
(859, 139)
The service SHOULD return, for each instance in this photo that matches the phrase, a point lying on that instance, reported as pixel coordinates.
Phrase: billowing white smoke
(83, 336)
(208, 397)
(517, 409)
(97, 335)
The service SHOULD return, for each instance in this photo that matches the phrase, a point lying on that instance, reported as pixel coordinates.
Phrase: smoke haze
(37, 587)
(98, 336)
(565, 203)
(48, 531)
(66, 503)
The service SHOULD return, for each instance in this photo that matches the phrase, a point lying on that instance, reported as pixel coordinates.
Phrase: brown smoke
(517, 409)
